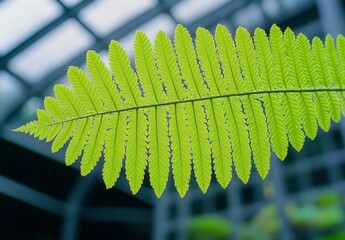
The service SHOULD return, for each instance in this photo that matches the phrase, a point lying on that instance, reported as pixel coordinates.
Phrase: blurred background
(40, 198)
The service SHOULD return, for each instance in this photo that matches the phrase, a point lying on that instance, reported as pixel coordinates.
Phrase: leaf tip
(181, 193)
(159, 194)
(263, 174)
(18, 129)
(245, 179)
(108, 185)
(204, 188)
(83, 173)
(224, 184)
(134, 190)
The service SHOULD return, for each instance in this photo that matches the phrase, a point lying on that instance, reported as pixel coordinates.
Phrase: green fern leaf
(124, 75)
(84, 90)
(190, 71)
(159, 149)
(63, 136)
(291, 108)
(94, 146)
(146, 69)
(80, 136)
(334, 67)
(167, 67)
(181, 148)
(341, 51)
(311, 74)
(254, 113)
(272, 103)
(200, 144)
(114, 149)
(68, 101)
(102, 80)
(298, 80)
(325, 78)
(136, 154)
(218, 136)
(224, 101)
(237, 126)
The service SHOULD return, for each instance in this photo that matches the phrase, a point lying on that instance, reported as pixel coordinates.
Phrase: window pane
(104, 16)
(187, 11)
(21, 18)
(51, 51)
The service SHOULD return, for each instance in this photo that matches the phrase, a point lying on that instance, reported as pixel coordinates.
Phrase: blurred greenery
(209, 227)
(337, 235)
(323, 214)
(264, 226)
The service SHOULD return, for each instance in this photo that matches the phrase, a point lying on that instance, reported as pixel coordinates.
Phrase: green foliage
(206, 227)
(314, 216)
(221, 103)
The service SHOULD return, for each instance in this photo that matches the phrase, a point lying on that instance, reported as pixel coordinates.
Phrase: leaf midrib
(305, 90)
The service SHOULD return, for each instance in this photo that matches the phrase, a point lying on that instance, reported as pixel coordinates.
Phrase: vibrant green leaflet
(208, 107)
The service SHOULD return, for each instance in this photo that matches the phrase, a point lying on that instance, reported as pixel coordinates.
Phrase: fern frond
(181, 147)
(336, 72)
(159, 149)
(136, 146)
(206, 108)
(311, 74)
(167, 67)
(289, 102)
(80, 137)
(272, 103)
(325, 78)
(63, 136)
(298, 80)
(254, 113)
(84, 90)
(186, 58)
(124, 75)
(147, 72)
(341, 51)
(237, 125)
(102, 80)
(114, 149)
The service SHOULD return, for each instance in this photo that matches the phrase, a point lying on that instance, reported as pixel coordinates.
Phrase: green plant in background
(265, 225)
(224, 101)
(209, 227)
(324, 213)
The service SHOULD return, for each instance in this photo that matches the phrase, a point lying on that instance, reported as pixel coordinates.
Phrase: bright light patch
(187, 11)
(249, 17)
(51, 51)
(104, 16)
(21, 18)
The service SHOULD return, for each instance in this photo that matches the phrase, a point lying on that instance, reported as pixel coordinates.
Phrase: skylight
(52, 51)
(189, 10)
(104, 16)
(19, 19)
